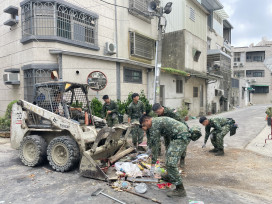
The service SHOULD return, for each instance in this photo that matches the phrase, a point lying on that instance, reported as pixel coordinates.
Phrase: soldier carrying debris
(221, 126)
(179, 136)
(135, 110)
(167, 112)
(110, 111)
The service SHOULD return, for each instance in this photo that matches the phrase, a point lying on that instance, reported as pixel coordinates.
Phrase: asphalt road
(240, 176)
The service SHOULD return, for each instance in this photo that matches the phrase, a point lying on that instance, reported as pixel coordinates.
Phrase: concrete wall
(211, 99)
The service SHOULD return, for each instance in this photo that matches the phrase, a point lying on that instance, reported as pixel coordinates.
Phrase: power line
(114, 4)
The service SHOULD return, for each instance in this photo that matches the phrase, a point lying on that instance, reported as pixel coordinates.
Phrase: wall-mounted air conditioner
(11, 78)
(235, 64)
(241, 64)
(253, 80)
(110, 48)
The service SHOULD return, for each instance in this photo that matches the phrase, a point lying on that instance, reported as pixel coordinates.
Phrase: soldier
(110, 111)
(221, 126)
(135, 110)
(164, 111)
(179, 136)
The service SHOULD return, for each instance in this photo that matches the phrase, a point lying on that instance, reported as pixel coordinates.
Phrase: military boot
(213, 150)
(182, 162)
(178, 192)
(220, 152)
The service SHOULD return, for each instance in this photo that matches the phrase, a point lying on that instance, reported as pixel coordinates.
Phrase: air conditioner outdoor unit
(11, 78)
(241, 64)
(253, 80)
(235, 64)
(110, 48)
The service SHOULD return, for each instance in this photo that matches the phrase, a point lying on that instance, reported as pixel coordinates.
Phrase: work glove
(152, 171)
(204, 145)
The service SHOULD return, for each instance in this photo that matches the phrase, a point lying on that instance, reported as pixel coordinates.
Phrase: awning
(250, 89)
(212, 5)
(260, 85)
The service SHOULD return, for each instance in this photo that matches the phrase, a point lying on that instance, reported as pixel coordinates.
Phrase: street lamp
(155, 10)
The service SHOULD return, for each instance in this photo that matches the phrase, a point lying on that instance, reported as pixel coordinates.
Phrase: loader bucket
(113, 149)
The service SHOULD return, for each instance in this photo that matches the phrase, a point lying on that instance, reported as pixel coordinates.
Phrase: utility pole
(158, 64)
(155, 10)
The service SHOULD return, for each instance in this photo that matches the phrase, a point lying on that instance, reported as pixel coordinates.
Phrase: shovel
(99, 191)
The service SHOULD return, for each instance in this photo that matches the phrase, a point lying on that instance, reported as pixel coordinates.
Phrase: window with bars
(195, 92)
(260, 89)
(192, 14)
(141, 46)
(179, 86)
(132, 75)
(32, 77)
(54, 20)
(237, 56)
(138, 8)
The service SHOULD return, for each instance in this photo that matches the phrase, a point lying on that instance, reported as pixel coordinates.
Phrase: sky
(251, 20)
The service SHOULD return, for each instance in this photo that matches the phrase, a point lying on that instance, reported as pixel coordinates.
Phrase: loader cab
(69, 100)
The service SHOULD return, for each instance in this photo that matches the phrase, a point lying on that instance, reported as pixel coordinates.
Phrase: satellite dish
(152, 6)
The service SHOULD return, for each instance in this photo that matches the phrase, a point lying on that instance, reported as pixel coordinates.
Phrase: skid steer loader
(59, 126)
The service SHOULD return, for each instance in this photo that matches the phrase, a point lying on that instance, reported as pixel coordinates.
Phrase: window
(235, 83)
(138, 8)
(192, 14)
(261, 89)
(141, 46)
(237, 56)
(239, 74)
(255, 73)
(217, 18)
(195, 92)
(179, 86)
(55, 21)
(132, 75)
(196, 54)
(33, 76)
(258, 56)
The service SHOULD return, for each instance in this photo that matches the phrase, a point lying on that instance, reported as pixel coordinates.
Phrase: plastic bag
(129, 168)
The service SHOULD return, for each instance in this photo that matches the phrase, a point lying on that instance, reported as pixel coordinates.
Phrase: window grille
(235, 83)
(179, 86)
(31, 77)
(141, 46)
(132, 75)
(54, 21)
(195, 92)
(139, 7)
(255, 73)
(192, 14)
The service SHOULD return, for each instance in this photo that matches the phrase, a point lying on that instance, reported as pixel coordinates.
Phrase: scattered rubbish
(152, 199)
(47, 170)
(164, 185)
(141, 188)
(196, 202)
(120, 185)
(141, 180)
(100, 191)
(128, 168)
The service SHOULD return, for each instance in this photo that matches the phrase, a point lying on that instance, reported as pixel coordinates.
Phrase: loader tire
(63, 153)
(32, 150)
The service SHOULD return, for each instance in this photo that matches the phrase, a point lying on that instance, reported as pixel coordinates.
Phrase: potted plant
(268, 115)
(183, 112)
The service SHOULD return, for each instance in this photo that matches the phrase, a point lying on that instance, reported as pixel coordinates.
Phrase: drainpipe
(118, 72)
(60, 67)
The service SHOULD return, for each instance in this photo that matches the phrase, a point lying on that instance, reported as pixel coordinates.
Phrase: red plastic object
(270, 133)
(164, 185)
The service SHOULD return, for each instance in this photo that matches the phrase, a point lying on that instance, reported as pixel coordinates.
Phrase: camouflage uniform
(112, 118)
(173, 114)
(178, 135)
(135, 111)
(221, 126)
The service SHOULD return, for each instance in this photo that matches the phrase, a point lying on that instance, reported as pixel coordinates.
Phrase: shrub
(6, 120)
(96, 106)
(183, 111)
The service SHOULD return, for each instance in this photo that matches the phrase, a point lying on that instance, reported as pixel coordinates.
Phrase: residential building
(75, 38)
(185, 49)
(218, 59)
(254, 64)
